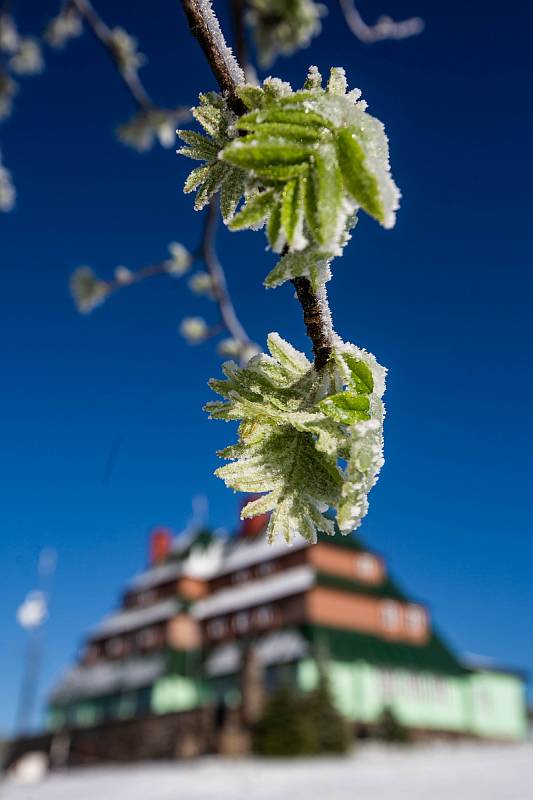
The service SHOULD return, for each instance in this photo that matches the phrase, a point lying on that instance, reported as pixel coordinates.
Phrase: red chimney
(160, 544)
(255, 525)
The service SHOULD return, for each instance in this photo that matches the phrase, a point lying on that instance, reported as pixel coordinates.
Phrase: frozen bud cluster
(283, 26)
(125, 50)
(123, 276)
(88, 291)
(28, 58)
(146, 127)
(194, 329)
(180, 260)
(201, 283)
(7, 190)
(8, 90)
(9, 38)
(67, 25)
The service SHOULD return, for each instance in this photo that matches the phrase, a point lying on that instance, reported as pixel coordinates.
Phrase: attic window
(390, 615)
(365, 567)
(415, 619)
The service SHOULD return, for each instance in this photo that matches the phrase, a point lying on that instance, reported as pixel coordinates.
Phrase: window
(242, 576)
(365, 567)
(147, 638)
(264, 616)
(241, 622)
(415, 619)
(216, 628)
(114, 648)
(267, 568)
(390, 615)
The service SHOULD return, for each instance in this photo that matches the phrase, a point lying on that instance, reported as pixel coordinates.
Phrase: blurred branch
(129, 72)
(221, 294)
(89, 291)
(385, 27)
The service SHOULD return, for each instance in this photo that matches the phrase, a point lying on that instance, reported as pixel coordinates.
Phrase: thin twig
(220, 290)
(205, 27)
(385, 27)
(206, 252)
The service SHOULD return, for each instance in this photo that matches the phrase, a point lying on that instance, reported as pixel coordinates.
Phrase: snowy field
(438, 772)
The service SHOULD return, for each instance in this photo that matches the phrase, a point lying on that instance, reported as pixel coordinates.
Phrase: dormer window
(415, 619)
(365, 567)
(390, 615)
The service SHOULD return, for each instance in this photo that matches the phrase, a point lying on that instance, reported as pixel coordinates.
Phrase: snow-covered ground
(437, 772)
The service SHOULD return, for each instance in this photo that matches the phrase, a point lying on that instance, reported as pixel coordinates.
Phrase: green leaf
(196, 177)
(201, 148)
(359, 181)
(346, 407)
(291, 208)
(361, 374)
(231, 191)
(324, 198)
(274, 231)
(250, 153)
(257, 208)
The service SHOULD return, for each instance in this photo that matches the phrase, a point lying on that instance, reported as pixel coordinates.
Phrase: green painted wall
(497, 705)
(484, 704)
(175, 693)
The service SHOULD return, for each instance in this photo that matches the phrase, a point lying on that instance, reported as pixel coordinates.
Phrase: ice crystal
(297, 428)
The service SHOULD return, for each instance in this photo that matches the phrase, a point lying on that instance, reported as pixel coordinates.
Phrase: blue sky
(443, 300)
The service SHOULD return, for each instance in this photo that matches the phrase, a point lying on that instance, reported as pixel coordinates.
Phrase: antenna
(31, 616)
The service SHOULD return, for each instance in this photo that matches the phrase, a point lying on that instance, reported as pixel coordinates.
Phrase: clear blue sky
(443, 300)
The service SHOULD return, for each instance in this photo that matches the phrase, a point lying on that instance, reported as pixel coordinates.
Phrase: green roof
(343, 645)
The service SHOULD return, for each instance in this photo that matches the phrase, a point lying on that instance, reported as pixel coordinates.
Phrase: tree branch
(220, 290)
(385, 27)
(205, 27)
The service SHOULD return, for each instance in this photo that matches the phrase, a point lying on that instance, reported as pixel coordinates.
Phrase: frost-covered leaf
(255, 211)
(297, 428)
(346, 407)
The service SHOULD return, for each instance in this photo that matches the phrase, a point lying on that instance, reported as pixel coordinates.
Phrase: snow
(108, 676)
(284, 584)
(437, 772)
(122, 621)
